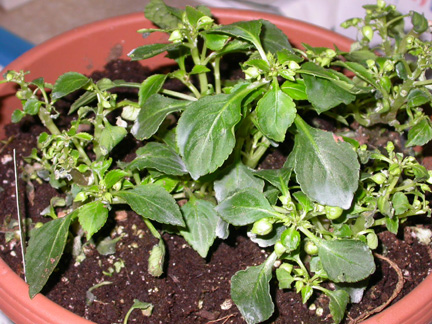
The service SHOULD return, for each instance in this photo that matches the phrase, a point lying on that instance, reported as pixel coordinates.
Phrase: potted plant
(195, 173)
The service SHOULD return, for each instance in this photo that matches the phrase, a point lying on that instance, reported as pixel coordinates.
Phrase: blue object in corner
(11, 46)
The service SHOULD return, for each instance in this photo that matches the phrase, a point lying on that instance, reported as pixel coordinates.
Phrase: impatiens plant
(197, 170)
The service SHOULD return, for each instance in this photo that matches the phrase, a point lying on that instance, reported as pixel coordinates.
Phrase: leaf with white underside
(153, 202)
(201, 222)
(250, 291)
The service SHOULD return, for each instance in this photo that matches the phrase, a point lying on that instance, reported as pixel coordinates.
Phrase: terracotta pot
(89, 48)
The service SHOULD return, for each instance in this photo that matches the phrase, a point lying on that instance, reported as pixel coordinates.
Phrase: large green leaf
(150, 86)
(152, 114)
(153, 202)
(327, 169)
(275, 112)
(162, 15)
(346, 260)
(237, 178)
(245, 207)
(273, 39)
(44, 251)
(201, 222)
(205, 131)
(92, 217)
(158, 156)
(250, 291)
(247, 30)
(68, 83)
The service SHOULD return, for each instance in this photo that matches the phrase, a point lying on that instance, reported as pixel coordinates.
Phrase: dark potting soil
(192, 289)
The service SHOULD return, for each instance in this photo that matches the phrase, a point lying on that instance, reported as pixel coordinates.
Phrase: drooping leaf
(110, 137)
(92, 217)
(250, 291)
(162, 15)
(325, 94)
(420, 133)
(160, 157)
(245, 207)
(346, 260)
(44, 250)
(275, 113)
(68, 83)
(327, 169)
(205, 131)
(338, 302)
(147, 51)
(153, 113)
(238, 177)
(201, 222)
(273, 39)
(150, 86)
(153, 202)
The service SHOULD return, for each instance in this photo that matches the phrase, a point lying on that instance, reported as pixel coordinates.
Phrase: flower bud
(279, 249)
(395, 169)
(333, 212)
(367, 32)
(176, 36)
(310, 248)
(262, 227)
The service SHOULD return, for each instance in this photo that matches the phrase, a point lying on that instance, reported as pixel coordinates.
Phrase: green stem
(178, 95)
(216, 68)
(47, 121)
(152, 229)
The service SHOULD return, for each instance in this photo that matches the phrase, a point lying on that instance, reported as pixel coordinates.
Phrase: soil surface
(192, 289)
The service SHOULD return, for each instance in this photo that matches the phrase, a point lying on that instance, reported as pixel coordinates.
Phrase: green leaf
(150, 86)
(326, 169)
(400, 203)
(346, 260)
(420, 23)
(44, 251)
(153, 113)
(284, 278)
(92, 217)
(296, 90)
(197, 69)
(146, 309)
(201, 222)
(205, 131)
(276, 177)
(420, 133)
(250, 291)
(68, 83)
(273, 39)
(153, 202)
(247, 30)
(215, 42)
(110, 137)
(114, 176)
(17, 115)
(156, 259)
(193, 15)
(160, 157)
(245, 207)
(162, 15)
(418, 97)
(338, 302)
(237, 178)
(32, 106)
(150, 50)
(392, 224)
(275, 112)
(324, 94)
(359, 70)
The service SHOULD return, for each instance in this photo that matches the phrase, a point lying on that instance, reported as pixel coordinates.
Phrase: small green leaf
(193, 15)
(275, 112)
(153, 202)
(392, 224)
(110, 137)
(160, 157)
(346, 260)
(245, 207)
(250, 291)
(44, 251)
(296, 90)
(247, 30)
(420, 133)
(150, 86)
(162, 15)
(201, 222)
(326, 169)
(68, 83)
(338, 302)
(198, 69)
(32, 106)
(153, 113)
(400, 203)
(284, 277)
(146, 309)
(17, 115)
(114, 176)
(276, 177)
(150, 50)
(92, 217)
(237, 178)
(418, 97)
(420, 23)
(107, 246)
(215, 42)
